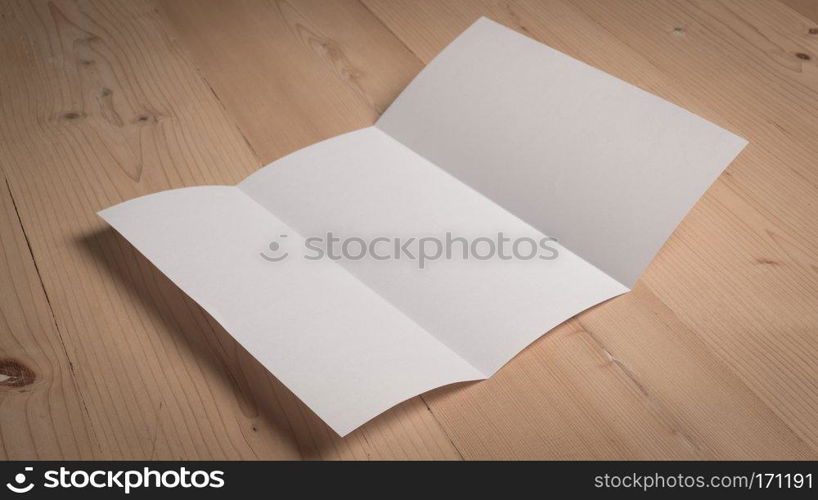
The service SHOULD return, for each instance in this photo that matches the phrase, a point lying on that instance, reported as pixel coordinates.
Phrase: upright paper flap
(603, 166)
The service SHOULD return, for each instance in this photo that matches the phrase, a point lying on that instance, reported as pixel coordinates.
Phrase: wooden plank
(425, 27)
(107, 106)
(293, 73)
(807, 8)
(42, 412)
(626, 380)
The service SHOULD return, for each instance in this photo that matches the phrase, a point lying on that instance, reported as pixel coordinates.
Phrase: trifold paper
(499, 133)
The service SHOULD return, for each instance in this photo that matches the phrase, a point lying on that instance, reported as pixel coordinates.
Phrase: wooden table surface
(714, 355)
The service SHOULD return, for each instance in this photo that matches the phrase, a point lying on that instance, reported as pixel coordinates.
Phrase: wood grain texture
(807, 8)
(107, 106)
(42, 413)
(711, 356)
(294, 72)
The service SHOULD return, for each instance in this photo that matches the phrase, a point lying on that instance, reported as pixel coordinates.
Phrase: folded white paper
(499, 134)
